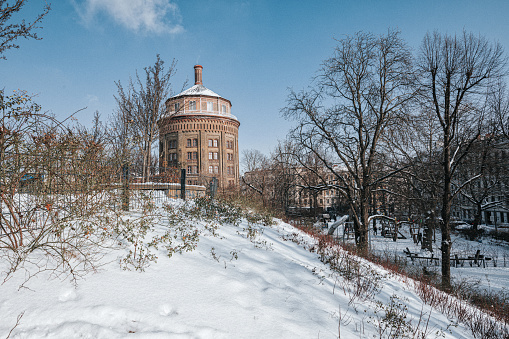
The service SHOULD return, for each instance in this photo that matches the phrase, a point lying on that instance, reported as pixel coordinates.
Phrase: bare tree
(140, 106)
(10, 32)
(284, 174)
(499, 107)
(455, 74)
(365, 84)
(258, 175)
(413, 146)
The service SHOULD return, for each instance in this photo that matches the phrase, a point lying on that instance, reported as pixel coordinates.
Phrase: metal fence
(36, 191)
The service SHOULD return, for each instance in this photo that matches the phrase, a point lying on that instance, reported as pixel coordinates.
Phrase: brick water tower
(200, 134)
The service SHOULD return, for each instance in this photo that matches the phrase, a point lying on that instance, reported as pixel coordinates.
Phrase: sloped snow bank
(231, 286)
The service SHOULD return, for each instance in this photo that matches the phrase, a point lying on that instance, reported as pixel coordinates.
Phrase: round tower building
(200, 134)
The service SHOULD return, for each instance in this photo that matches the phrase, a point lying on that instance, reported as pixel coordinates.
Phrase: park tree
(490, 170)
(343, 117)
(140, 106)
(258, 176)
(413, 147)
(11, 29)
(455, 73)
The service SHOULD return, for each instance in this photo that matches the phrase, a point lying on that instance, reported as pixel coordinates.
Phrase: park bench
(414, 256)
(477, 259)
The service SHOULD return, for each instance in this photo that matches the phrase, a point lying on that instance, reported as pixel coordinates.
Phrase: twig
(16, 325)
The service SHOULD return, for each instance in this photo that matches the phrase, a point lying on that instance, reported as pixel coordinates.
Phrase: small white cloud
(92, 98)
(147, 16)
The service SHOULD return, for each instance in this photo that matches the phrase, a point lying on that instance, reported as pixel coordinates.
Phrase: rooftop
(199, 90)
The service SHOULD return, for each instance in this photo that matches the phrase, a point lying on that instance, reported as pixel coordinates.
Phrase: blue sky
(251, 51)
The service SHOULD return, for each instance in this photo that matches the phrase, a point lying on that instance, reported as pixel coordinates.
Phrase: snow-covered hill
(266, 285)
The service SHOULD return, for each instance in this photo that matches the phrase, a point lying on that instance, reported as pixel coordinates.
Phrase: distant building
(489, 194)
(198, 133)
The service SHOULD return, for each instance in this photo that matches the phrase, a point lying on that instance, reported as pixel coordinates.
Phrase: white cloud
(146, 16)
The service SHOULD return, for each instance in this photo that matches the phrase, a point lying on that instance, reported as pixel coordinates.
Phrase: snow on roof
(198, 90)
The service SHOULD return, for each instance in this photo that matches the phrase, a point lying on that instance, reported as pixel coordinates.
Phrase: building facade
(200, 134)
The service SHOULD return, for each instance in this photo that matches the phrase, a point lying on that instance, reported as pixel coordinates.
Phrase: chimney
(197, 75)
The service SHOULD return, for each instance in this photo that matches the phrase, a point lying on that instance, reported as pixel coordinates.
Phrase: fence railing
(36, 194)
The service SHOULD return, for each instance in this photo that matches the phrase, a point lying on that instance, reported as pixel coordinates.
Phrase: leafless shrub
(481, 324)
(54, 189)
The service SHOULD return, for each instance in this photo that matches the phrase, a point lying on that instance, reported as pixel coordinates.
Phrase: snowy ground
(491, 278)
(275, 288)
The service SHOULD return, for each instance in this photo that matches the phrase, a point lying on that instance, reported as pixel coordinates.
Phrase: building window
(211, 169)
(216, 169)
(212, 155)
(192, 105)
(223, 109)
(213, 142)
(229, 156)
(173, 156)
(192, 155)
(172, 144)
(192, 142)
(210, 106)
(192, 169)
(229, 144)
(177, 106)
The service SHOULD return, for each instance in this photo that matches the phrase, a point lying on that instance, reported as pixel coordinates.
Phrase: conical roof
(198, 89)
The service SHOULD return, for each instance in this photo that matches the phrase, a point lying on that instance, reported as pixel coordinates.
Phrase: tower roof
(198, 89)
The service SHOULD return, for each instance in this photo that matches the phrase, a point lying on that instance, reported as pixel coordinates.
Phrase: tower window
(192, 169)
(177, 106)
(210, 106)
(223, 109)
(192, 105)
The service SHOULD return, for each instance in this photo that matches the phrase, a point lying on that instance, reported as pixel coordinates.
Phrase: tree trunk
(363, 224)
(478, 216)
(446, 216)
(429, 226)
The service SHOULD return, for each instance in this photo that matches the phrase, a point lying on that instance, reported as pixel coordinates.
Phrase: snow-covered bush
(176, 228)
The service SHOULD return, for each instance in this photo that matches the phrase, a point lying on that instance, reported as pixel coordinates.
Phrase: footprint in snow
(166, 310)
(67, 295)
